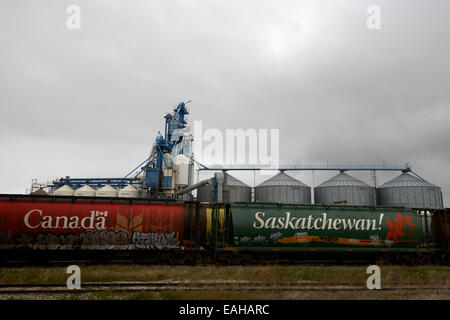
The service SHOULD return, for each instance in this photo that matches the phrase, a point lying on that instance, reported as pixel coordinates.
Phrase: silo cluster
(404, 190)
(86, 190)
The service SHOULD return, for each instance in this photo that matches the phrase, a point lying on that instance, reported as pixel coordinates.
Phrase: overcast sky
(89, 102)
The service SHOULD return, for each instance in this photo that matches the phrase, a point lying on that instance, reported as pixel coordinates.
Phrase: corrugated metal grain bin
(234, 190)
(408, 191)
(205, 193)
(283, 188)
(346, 189)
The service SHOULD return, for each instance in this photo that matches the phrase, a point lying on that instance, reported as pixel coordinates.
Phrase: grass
(325, 274)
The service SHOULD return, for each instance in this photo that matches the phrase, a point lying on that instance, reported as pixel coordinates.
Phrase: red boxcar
(47, 222)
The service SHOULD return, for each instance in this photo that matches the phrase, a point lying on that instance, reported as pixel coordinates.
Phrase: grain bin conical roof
(407, 180)
(343, 180)
(129, 191)
(107, 191)
(232, 181)
(343, 188)
(282, 179)
(64, 190)
(86, 191)
(40, 192)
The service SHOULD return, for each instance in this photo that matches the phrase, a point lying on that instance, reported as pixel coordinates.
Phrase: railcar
(333, 231)
(33, 225)
(62, 227)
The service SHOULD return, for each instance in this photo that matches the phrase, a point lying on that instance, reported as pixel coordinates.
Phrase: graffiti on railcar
(97, 240)
(86, 240)
(151, 240)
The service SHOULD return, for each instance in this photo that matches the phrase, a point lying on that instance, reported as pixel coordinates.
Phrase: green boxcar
(281, 227)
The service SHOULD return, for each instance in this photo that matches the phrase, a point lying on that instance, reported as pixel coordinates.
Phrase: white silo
(107, 191)
(64, 190)
(85, 191)
(184, 170)
(40, 192)
(129, 191)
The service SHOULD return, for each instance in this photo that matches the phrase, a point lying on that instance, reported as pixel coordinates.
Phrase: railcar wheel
(409, 260)
(395, 258)
(246, 259)
(236, 260)
(223, 259)
(190, 259)
(206, 258)
(177, 259)
(164, 258)
(446, 259)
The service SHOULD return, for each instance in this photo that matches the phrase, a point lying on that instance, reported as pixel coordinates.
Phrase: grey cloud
(90, 102)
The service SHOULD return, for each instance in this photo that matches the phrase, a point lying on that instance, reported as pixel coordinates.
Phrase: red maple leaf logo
(397, 227)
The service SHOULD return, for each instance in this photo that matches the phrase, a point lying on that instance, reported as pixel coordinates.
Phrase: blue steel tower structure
(155, 181)
(164, 150)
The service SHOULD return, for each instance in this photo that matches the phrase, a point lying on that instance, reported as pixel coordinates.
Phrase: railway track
(157, 286)
(202, 261)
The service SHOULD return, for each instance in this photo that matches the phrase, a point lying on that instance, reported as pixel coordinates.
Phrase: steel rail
(206, 286)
